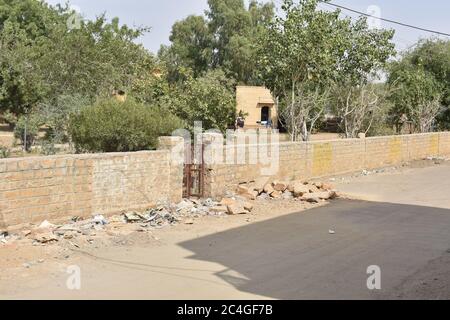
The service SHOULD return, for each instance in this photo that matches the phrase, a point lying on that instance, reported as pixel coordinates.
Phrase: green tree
(417, 94)
(431, 58)
(42, 59)
(209, 99)
(224, 39)
(21, 83)
(309, 49)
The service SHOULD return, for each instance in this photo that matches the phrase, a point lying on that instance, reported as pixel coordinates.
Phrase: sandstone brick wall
(326, 158)
(56, 187)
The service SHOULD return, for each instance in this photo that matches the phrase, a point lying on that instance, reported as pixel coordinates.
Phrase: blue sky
(161, 14)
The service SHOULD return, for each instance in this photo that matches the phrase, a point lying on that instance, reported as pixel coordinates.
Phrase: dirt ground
(26, 267)
(421, 183)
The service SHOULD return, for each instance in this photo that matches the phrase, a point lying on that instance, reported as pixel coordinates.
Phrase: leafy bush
(4, 152)
(56, 114)
(209, 99)
(48, 148)
(113, 126)
(10, 118)
(29, 124)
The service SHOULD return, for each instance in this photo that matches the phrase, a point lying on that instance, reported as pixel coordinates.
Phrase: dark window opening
(265, 114)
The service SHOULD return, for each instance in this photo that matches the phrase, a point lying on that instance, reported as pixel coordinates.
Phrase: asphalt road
(295, 256)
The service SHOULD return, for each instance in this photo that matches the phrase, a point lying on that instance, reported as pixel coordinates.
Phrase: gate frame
(194, 172)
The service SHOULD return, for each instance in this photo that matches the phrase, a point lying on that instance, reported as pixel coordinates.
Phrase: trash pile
(305, 191)
(163, 215)
(4, 237)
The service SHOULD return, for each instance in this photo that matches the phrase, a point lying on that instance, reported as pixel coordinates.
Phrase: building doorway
(265, 115)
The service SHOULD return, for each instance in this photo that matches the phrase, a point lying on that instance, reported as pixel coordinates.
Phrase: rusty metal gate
(194, 172)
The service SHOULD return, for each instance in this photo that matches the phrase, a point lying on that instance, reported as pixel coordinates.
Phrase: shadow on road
(296, 257)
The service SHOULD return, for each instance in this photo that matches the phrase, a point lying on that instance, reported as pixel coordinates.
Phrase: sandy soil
(423, 183)
(27, 268)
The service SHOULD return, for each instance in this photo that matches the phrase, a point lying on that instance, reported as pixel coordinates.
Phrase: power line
(400, 41)
(386, 20)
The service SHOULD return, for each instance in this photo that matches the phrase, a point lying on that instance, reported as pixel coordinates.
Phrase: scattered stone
(287, 195)
(331, 231)
(276, 194)
(310, 197)
(132, 217)
(300, 189)
(247, 193)
(321, 195)
(219, 209)
(280, 186)
(313, 189)
(248, 206)
(319, 185)
(263, 196)
(235, 209)
(305, 191)
(228, 201)
(45, 237)
(259, 184)
(46, 225)
(269, 189)
(189, 221)
(243, 190)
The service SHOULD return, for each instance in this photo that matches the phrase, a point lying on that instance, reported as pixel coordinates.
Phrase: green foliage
(48, 148)
(417, 94)
(224, 39)
(10, 118)
(422, 74)
(209, 99)
(309, 48)
(56, 115)
(307, 44)
(150, 88)
(434, 57)
(42, 59)
(27, 129)
(4, 152)
(112, 126)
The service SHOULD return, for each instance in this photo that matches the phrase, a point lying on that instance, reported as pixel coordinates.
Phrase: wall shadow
(296, 257)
